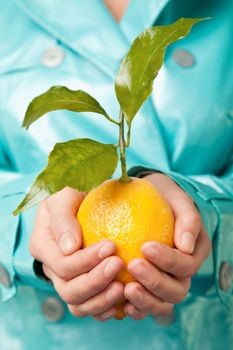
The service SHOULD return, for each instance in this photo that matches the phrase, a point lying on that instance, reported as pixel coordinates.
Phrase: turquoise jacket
(185, 129)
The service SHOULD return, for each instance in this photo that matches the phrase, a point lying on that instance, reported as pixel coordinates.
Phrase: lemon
(129, 214)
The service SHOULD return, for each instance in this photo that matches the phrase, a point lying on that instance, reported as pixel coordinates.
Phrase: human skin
(84, 278)
(117, 8)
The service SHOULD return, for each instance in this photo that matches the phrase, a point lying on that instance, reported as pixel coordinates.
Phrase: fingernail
(187, 242)
(112, 294)
(111, 269)
(67, 242)
(106, 249)
(151, 250)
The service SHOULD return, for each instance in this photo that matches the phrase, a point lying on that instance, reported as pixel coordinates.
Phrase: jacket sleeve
(214, 198)
(16, 263)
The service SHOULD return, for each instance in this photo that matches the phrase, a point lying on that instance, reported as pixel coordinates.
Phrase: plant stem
(128, 137)
(112, 120)
(124, 175)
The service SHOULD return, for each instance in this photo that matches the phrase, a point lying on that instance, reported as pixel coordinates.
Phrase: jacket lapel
(88, 28)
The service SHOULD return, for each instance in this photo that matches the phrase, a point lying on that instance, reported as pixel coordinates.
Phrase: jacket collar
(73, 22)
(140, 15)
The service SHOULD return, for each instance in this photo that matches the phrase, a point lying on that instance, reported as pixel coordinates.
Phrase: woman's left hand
(163, 277)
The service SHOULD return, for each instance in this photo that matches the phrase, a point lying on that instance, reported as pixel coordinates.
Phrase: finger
(131, 311)
(41, 230)
(174, 261)
(145, 302)
(110, 313)
(42, 243)
(63, 207)
(100, 303)
(165, 320)
(187, 219)
(188, 225)
(67, 267)
(44, 248)
(85, 286)
(160, 284)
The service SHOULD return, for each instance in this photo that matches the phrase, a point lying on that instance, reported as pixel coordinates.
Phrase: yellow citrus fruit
(129, 214)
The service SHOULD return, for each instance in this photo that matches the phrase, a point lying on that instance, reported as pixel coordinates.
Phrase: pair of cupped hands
(85, 278)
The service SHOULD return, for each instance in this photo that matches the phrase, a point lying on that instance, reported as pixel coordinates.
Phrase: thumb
(188, 223)
(187, 226)
(64, 226)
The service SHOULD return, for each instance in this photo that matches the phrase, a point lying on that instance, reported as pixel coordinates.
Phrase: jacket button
(53, 309)
(5, 277)
(53, 57)
(225, 276)
(183, 58)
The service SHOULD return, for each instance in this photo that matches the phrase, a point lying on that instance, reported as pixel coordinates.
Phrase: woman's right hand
(82, 277)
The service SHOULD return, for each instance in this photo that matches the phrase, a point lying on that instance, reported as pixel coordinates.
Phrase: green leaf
(60, 97)
(81, 164)
(139, 68)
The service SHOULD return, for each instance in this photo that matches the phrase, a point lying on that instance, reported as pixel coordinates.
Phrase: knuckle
(80, 311)
(95, 283)
(192, 270)
(154, 282)
(32, 247)
(86, 260)
(181, 296)
(46, 271)
(63, 270)
(192, 219)
(76, 311)
(195, 218)
(169, 263)
(57, 217)
(68, 296)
